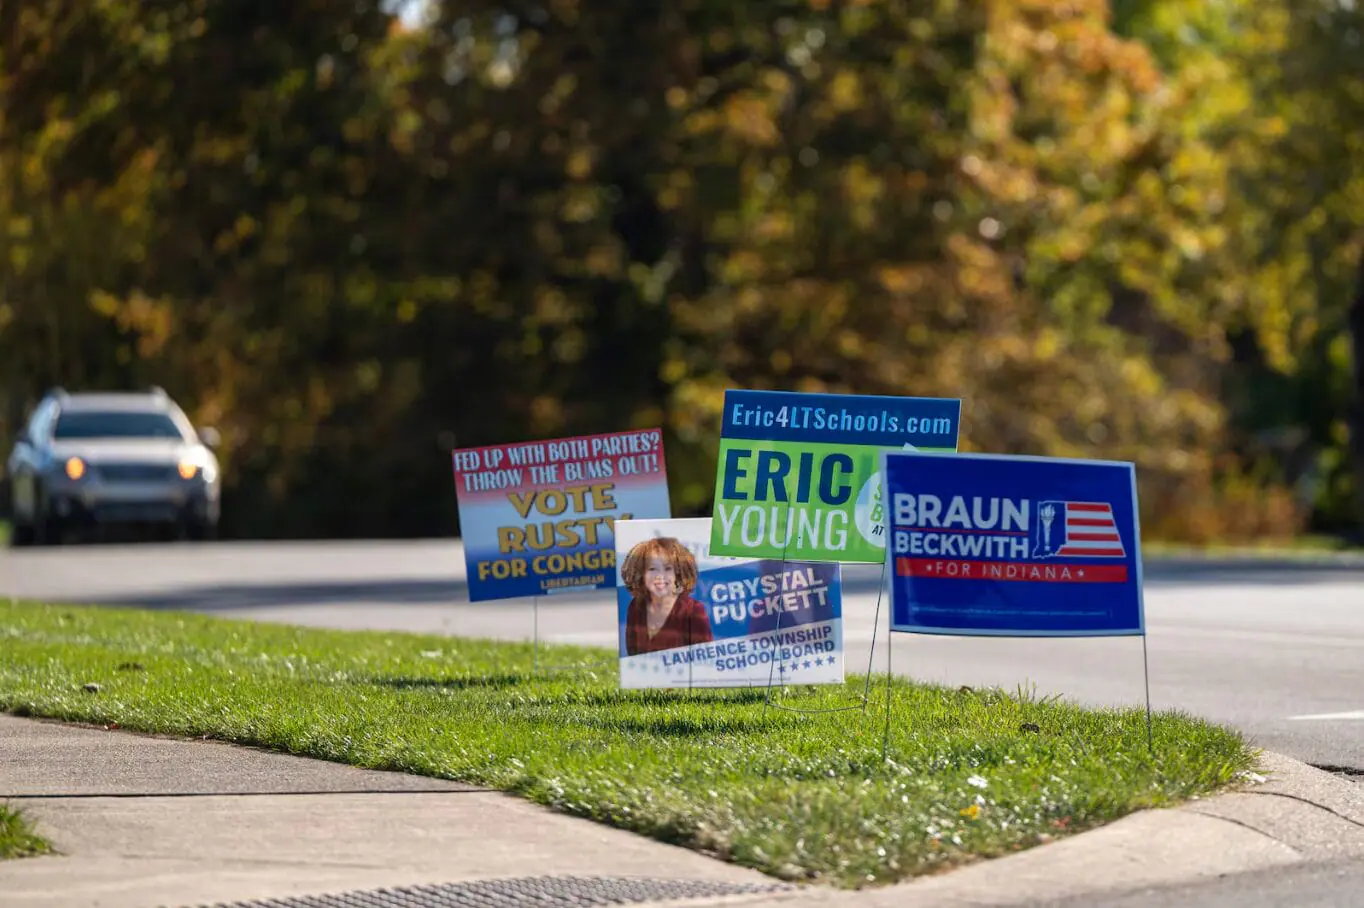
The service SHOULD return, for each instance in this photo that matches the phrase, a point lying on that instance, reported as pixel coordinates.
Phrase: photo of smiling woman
(660, 574)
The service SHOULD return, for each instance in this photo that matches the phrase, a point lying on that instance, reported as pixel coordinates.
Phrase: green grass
(4, 533)
(970, 773)
(17, 839)
(1305, 547)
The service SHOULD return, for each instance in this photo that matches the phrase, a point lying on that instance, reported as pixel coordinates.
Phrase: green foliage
(1118, 230)
(17, 838)
(969, 773)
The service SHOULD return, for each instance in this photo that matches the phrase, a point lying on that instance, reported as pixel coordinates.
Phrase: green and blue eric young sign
(985, 544)
(799, 475)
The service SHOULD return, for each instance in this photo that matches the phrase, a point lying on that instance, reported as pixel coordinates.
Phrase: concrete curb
(1290, 813)
(1269, 559)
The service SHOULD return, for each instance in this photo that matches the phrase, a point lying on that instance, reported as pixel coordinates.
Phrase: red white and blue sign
(1083, 529)
(1012, 545)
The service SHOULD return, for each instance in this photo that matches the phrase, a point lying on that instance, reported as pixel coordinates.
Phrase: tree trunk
(1355, 321)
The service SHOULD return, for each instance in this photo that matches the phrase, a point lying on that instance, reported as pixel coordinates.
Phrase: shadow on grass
(473, 682)
(657, 697)
(604, 699)
(674, 726)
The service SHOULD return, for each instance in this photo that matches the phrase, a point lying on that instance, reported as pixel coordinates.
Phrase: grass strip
(969, 774)
(17, 838)
(1306, 547)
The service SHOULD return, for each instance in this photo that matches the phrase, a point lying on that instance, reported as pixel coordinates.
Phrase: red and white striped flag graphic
(1090, 530)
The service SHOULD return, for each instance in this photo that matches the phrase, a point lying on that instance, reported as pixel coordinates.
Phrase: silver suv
(92, 459)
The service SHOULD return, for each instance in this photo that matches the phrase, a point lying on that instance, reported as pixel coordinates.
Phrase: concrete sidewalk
(144, 821)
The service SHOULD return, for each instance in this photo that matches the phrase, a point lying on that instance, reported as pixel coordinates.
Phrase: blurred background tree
(352, 239)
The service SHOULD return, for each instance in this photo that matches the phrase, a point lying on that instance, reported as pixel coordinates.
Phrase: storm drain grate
(521, 892)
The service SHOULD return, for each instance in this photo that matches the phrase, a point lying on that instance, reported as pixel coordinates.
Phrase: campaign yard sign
(987, 544)
(799, 475)
(536, 517)
(689, 618)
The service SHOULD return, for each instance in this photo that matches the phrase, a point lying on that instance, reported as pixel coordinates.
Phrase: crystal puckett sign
(536, 517)
(799, 475)
(688, 619)
(985, 544)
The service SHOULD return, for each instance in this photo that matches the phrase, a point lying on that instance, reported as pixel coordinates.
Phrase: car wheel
(199, 530)
(49, 531)
(21, 535)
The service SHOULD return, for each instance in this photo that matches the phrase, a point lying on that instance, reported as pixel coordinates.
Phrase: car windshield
(115, 424)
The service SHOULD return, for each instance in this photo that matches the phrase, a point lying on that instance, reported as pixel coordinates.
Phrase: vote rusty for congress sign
(538, 517)
(799, 475)
(1013, 545)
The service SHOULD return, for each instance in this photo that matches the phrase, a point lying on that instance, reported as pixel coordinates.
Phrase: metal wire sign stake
(1014, 546)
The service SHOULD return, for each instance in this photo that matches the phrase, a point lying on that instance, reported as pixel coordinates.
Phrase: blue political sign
(1012, 545)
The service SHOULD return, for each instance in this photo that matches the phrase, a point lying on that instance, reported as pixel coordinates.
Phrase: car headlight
(190, 469)
(75, 468)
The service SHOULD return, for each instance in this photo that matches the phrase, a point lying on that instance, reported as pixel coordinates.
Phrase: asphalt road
(1273, 648)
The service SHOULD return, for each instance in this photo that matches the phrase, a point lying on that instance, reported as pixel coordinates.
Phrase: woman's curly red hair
(672, 551)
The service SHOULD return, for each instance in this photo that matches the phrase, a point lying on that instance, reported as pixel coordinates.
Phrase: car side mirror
(210, 437)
